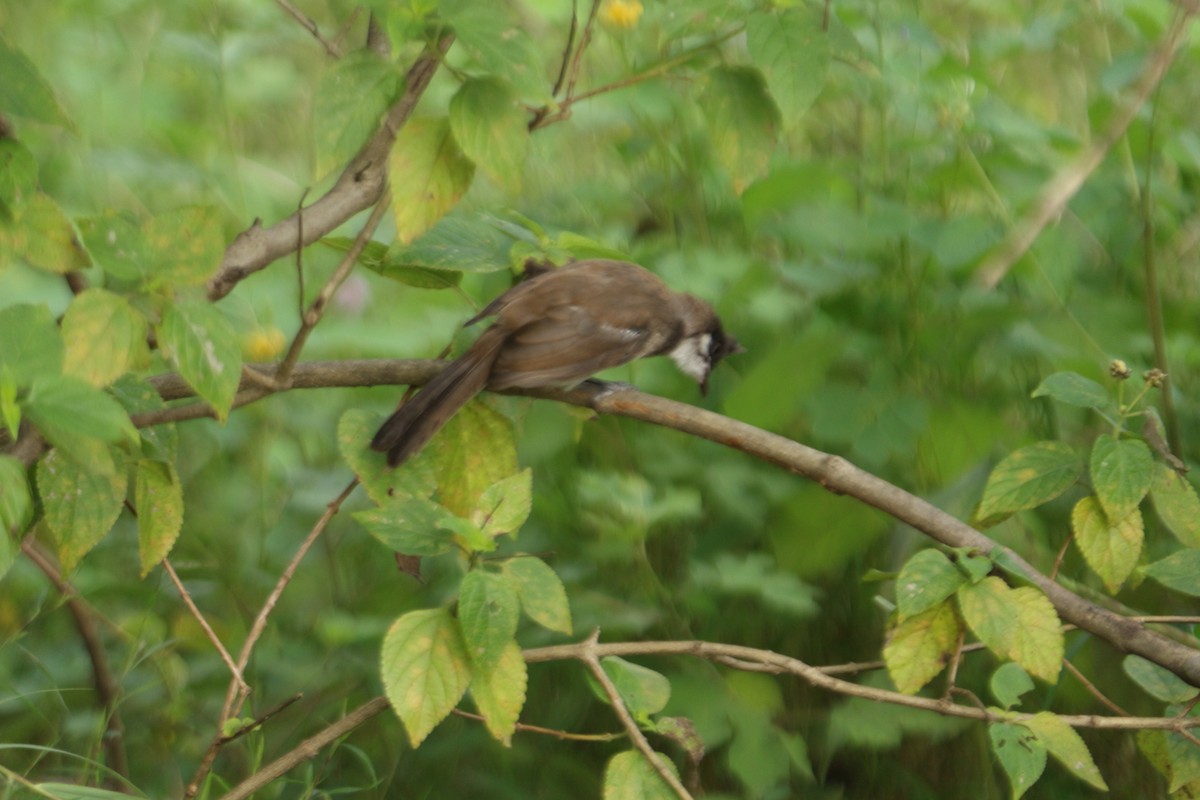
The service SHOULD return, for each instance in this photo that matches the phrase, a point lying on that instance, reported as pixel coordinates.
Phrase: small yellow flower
(263, 344)
(621, 13)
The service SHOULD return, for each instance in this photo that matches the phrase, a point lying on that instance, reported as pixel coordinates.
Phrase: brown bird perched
(557, 328)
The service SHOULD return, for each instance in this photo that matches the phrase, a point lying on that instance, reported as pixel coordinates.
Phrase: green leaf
(456, 244)
(18, 176)
(1038, 643)
(492, 128)
(493, 38)
(1074, 390)
(475, 450)
(104, 337)
(505, 505)
(793, 52)
(742, 121)
(415, 526)
(377, 258)
(43, 236)
(1179, 571)
(33, 346)
(204, 347)
(1176, 503)
(986, 609)
(1111, 550)
(16, 506)
(65, 407)
(1066, 745)
(643, 690)
(543, 597)
(499, 692)
(926, 580)
(117, 242)
(24, 92)
(137, 396)
(1183, 757)
(159, 502)
(755, 575)
(1009, 682)
(920, 646)
(81, 504)
(488, 610)
(1029, 477)
(1121, 474)
(185, 246)
(1158, 682)
(628, 776)
(1020, 752)
(351, 98)
(414, 478)
(425, 669)
(428, 174)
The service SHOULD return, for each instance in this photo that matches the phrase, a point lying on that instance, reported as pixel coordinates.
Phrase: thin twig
(587, 654)
(557, 734)
(264, 718)
(1059, 190)
(1062, 554)
(306, 22)
(208, 631)
(1091, 687)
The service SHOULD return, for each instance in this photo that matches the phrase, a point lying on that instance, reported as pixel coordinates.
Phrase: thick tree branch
(833, 472)
(358, 187)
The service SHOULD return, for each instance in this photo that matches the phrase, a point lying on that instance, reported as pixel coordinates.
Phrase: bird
(557, 328)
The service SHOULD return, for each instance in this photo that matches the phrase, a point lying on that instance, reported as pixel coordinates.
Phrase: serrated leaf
(81, 504)
(1183, 757)
(351, 98)
(428, 174)
(543, 597)
(456, 244)
(1176, 503)
(505, 505)
(379, 259)
(185, 246)
(499, 692)
(474, 450)
(415, 526)
(1009, 682)
(793, 52)
(1121, 470)
(488, 610)
(1179, 571)
(492, 128)
(64, 407)
(137, 396)
(629, 776)
(1111, 550)
(743, 121)
(643, 690)
(986, 608)
(415, 478)
(159, 502)
(1158, 682)
(1021, 754)
(919, 647)
(425, 669)
(43, 236)
(1038, 642)
(926, 580)
(1074, 390)
(32, 344)
(1029, 477)
(24, 92)
(204, 347)
(104, 337)
(1066, 745)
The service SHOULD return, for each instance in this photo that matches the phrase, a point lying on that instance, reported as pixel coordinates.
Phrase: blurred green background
(843, 258)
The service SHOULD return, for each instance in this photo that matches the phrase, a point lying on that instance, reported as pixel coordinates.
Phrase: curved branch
(359, 186)
(832, 472)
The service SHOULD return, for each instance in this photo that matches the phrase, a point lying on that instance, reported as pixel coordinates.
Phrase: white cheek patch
(691, 356)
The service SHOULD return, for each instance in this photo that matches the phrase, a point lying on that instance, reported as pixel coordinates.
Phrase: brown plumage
(558, 328)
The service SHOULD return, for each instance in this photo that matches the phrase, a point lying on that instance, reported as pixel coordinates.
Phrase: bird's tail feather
(415, 423)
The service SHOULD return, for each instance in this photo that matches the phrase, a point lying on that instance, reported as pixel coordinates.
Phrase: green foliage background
(842, 254)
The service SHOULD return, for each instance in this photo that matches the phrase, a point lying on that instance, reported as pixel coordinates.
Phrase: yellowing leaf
(1176, 503)
(425, 669)
(499, 692)
(543, 597)
(104, 337)
(926, 580)
(159, 503)
(81, 504)
(1037, 643)
(1029, 477)
(492, 127)
(475, 450)
(920, 646)
(629, 776)
(43, 236)
(986, 608)
(1111, 550)
(428, 174)
(205, 349)
(1066, 745)
(1121, 470)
